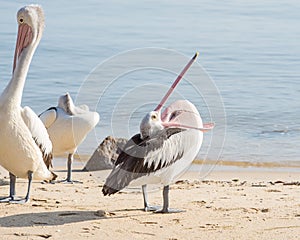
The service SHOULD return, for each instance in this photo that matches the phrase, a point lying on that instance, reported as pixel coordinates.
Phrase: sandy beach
(223, 205)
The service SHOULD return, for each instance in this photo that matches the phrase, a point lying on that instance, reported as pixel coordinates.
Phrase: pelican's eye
(153, 117)
(21, 20)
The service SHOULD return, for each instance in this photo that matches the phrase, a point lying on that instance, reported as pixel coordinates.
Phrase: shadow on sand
(49, 218)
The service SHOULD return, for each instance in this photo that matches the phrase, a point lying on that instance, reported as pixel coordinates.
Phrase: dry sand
(223, 205)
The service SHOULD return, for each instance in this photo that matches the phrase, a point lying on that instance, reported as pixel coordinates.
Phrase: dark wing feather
(47, 156)
(139, 158)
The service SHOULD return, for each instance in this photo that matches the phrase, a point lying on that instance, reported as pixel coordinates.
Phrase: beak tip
(196, 55)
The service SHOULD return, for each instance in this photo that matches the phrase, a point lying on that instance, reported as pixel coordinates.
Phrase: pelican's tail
(106, 190)
(118, 179)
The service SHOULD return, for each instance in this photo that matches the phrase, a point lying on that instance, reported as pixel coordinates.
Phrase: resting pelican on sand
(162, 152)
(25, 147)
(67, 126)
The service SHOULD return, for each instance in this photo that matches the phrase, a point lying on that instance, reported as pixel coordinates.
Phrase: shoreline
(211, 165)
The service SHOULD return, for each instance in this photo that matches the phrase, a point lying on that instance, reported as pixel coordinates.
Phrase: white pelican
(67, 126)
(164, 149)
(25, 147)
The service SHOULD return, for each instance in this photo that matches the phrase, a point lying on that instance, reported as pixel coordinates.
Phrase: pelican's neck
(12, 94)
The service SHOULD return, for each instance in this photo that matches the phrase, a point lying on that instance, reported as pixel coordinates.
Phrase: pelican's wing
(84, 107)
(81, 109)
(141, 157)
(39, 134)
(48, 117)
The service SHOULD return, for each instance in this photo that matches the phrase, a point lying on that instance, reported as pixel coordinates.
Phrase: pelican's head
(151, 124)
(31, 25)
(181, 113)
(66, 103)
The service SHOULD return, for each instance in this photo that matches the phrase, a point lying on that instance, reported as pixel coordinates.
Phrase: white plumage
(184, 143)
(67, 126)
(25, 147)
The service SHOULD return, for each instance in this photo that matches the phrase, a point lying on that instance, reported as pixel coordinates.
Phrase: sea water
(249, 52)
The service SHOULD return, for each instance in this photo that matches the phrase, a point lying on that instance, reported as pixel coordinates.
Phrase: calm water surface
(250, 49)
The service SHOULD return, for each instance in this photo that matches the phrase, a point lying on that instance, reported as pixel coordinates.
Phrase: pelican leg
(166, 208)
(26, 199)
(12, 189)
(147, 207)
(69, 167)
